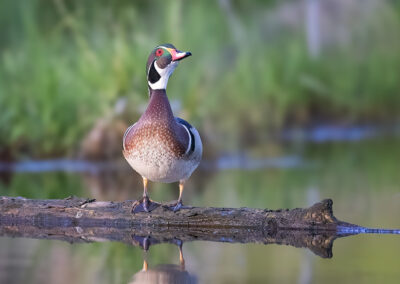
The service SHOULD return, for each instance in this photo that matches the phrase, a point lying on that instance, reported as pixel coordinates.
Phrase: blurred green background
(295, 101)
(257, 67)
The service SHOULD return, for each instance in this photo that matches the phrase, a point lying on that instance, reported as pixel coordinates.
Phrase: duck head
(161, 63)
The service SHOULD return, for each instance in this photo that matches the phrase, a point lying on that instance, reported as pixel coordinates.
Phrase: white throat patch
(164, 74)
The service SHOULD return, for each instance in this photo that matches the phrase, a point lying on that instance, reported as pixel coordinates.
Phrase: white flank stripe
(190, 138)
(125, 134)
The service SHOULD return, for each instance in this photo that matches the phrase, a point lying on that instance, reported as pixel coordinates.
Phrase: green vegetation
(64, 64)
(46, 185)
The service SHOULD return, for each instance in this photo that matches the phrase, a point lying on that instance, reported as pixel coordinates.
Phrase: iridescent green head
(161, 63)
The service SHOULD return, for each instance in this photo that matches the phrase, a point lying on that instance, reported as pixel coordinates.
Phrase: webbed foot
(176, 206)
(144, 204)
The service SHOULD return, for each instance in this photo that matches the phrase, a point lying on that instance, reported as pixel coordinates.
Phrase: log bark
(83, 220)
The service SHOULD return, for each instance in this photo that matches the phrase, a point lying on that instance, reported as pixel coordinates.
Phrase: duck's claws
(176, 207)
(144, 204)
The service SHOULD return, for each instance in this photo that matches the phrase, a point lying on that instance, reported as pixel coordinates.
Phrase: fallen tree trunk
(82, 212)
(82, 220)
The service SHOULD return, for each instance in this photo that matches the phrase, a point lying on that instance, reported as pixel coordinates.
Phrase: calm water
(362, 178)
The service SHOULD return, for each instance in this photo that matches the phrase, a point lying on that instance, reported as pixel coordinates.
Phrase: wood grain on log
(82, 220)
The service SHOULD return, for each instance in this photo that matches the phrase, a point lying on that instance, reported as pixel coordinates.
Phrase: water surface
(362, 179)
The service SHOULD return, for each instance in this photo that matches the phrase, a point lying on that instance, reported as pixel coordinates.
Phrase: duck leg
(178, 205)
(144, 204)
(181, 259)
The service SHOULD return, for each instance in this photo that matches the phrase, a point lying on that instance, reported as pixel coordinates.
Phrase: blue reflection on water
(326, 133)
(343, 230)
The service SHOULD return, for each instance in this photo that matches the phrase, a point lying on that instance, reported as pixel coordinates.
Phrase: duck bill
(179, 55)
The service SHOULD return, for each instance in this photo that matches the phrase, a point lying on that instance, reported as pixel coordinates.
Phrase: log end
(321, 213)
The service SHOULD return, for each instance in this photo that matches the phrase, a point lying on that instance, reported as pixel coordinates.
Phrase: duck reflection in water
(164, 273)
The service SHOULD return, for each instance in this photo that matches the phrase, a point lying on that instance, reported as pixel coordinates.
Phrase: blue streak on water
(55, 165)
(327, 133)
(223, 163)
(243, 162)
(343, 230)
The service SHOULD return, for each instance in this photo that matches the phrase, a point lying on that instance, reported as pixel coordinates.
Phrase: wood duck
(160, 146)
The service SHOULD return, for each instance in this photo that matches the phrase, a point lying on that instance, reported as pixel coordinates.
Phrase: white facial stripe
(165, 74)
(160, 46)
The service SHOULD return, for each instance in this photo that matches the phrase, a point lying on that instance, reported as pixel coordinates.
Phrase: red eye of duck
(159, 52)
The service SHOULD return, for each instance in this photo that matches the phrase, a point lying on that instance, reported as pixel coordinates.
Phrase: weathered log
(80, 212)
(82, 220)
